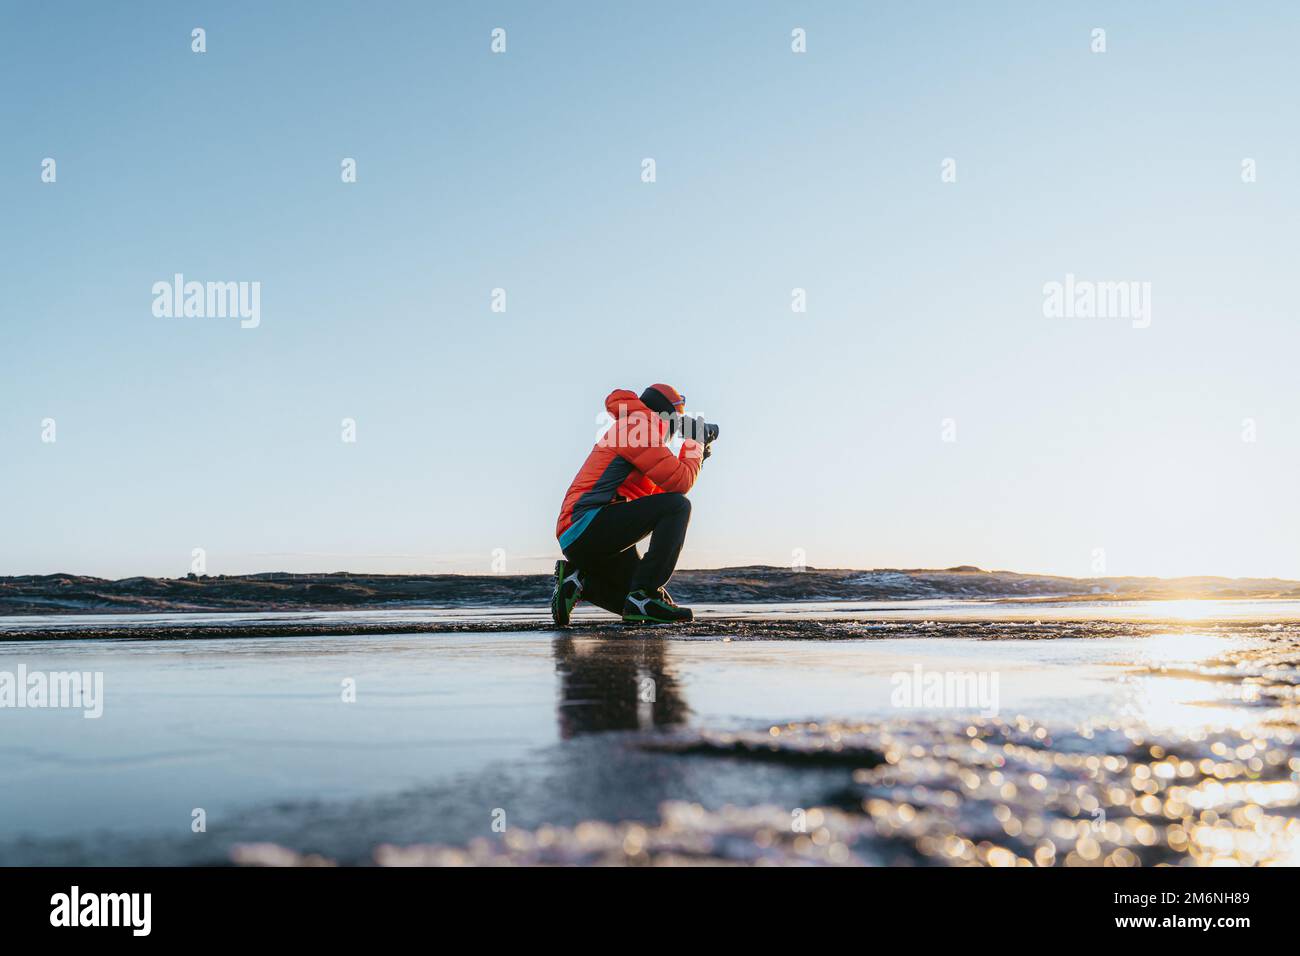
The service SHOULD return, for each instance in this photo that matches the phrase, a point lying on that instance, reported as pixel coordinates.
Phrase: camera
(698, 429)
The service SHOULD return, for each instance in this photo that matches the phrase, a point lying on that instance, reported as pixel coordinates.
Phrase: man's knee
(678, 502)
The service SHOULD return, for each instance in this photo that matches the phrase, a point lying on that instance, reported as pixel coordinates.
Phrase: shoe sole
(558, 614)
(637, 619)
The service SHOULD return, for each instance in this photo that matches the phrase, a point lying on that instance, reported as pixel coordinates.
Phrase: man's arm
(672, 473)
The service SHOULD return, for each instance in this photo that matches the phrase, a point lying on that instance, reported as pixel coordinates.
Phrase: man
(630, 486)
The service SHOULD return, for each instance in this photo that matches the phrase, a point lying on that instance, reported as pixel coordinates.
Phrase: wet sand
(771, 736)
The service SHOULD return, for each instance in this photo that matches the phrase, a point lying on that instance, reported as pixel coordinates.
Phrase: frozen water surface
(915, 733)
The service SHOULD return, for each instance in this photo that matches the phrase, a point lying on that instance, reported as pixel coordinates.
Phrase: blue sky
(775, 171)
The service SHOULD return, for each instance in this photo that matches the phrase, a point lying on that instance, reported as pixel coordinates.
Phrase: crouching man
(631, 486)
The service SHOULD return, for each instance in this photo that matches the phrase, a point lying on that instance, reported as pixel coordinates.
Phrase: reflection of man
(615, 685)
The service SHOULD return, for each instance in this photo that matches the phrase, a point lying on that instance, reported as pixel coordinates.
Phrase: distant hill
(71, 593)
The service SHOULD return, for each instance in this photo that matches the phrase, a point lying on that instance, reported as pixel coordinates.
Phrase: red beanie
(662, 398)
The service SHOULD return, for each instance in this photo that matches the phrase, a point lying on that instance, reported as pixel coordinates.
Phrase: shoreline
(720, 627)
(71, 594)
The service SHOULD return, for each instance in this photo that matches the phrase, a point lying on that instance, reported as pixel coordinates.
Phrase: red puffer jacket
(630, 460)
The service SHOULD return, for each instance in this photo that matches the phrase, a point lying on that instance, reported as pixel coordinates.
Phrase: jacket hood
(628, 400)
(623, 402)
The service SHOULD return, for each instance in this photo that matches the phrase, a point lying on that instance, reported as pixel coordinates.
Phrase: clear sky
(774, 171)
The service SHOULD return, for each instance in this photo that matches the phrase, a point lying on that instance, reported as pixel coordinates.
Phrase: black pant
(606, 550)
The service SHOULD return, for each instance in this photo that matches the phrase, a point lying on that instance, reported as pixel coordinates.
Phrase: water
(1122, 735)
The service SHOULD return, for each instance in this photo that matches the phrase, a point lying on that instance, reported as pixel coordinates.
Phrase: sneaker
(643, 608)
(568, 587)
(663, 595)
